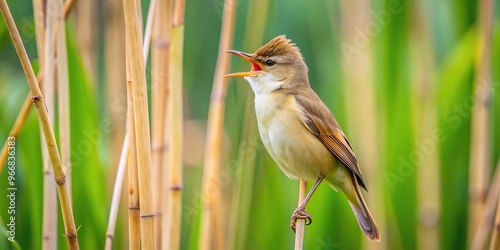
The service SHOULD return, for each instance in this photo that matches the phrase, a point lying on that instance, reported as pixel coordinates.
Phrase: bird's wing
(321, 122)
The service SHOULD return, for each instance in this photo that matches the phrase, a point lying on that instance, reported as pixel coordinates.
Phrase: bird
(298, 130)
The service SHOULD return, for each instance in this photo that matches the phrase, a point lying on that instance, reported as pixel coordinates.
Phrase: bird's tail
(361, 211)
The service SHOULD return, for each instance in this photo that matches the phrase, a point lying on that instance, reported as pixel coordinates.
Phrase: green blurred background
(416, 68)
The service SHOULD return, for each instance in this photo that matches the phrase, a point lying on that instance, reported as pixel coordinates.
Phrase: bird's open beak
(256, 66)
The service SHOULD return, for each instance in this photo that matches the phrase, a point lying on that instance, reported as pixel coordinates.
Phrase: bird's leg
(300, 212)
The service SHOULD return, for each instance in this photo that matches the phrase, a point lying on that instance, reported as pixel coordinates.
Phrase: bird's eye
(270, 63)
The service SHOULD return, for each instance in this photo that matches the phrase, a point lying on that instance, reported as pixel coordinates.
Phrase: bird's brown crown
(279, 45)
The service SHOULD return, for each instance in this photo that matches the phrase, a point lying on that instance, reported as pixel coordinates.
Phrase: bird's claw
(300, 213)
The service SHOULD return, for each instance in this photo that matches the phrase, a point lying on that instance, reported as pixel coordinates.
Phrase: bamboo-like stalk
(117, 190)
(427, 170)
(49, 217)
(495, 237)
(480, 237)
(480, 130)
(136, 68)
(159, 66)
(359, 87)
(49, 227)
(39, 102)
(211, 224)
(134, 212)
(301, 223)
(114, 66)
(39, 21)
(175, 131)
(63, 94)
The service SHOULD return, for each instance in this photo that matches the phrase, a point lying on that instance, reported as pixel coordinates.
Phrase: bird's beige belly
(298, 152)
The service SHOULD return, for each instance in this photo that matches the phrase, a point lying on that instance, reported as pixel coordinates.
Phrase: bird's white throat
(264, 83)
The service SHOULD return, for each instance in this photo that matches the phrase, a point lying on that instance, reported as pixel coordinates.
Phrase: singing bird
(299, 131)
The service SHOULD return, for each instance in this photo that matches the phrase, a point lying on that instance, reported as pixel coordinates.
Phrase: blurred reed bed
(212, 227)
(424, 113)
(404, 80)
(361, 112)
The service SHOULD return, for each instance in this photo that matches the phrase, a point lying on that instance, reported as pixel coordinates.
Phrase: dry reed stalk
(117, 190)
(39, 21)
(245, 162)
(49, 210)
(49, 227)
(136, 68)
(359, 86)
(134, 212)
(301, 223)
(481, 235)
(211, 224)
(49, 216)
(428, 170)
(159, 66)
(85, 24)
(480, 130)
(114, 59)
(48, 133)
(173, 223)
(63, 94)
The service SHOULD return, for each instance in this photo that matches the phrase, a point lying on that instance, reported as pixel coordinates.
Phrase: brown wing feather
(321, 122)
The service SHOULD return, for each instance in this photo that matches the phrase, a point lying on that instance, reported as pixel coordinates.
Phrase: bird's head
(277, 64)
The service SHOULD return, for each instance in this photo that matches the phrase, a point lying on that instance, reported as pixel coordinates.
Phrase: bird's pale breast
(298, 152)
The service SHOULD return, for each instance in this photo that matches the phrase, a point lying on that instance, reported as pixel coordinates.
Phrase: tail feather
(358, 206)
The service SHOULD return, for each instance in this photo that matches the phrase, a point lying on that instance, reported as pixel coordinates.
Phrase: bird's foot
(300, 213)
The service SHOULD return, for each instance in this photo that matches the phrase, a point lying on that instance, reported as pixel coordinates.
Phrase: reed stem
(134, 212)
(480, 131)
(160, 63)
(211, 224)
(141, 119)
(63, 94)
(427, 170)
(175, 131)
(49, 227)
(136, 68)
(160, 49)
(301, 223)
